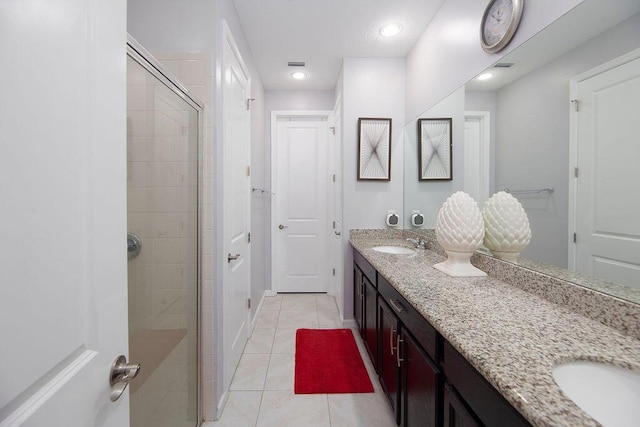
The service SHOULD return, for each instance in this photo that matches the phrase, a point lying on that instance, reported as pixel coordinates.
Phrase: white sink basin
(397, 250)
(608, 393)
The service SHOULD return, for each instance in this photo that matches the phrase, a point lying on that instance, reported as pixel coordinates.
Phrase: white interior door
(476, 155)
(63, 298)
(608, 183)
(301, 218)
(237, 205)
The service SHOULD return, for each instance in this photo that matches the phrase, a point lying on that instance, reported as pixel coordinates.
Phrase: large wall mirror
(519, 130)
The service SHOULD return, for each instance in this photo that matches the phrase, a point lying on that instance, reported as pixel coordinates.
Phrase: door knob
(120, 375)
(232, 257)
(282, 227)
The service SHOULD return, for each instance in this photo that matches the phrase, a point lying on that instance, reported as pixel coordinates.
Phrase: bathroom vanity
(471, 351)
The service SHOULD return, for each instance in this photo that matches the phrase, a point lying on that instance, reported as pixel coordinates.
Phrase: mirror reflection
(563, 104)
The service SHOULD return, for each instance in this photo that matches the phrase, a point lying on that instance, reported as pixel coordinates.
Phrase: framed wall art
(374, 149)
(435, 149)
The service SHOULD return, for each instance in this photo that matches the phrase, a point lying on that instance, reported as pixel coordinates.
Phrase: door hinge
(334, 271)
(248, 237)
(248, 170)
(249, 303)
(576, 104)
(575, 171)
(249, 103)
(333, 129)
(575, 238)
(334, 177)
(334, 225)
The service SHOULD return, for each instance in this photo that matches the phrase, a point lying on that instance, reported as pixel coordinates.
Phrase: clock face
(498, 19)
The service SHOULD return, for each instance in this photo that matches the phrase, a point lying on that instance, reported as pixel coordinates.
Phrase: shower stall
(163, 175)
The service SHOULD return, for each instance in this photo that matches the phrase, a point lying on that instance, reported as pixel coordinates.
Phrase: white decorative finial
(507, 230)
(460, 231)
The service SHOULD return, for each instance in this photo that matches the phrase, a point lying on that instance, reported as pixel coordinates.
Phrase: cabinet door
(420, 385)
(358, 298)
(485, 402)
(371, 320)
(456, 413)
(388, 366)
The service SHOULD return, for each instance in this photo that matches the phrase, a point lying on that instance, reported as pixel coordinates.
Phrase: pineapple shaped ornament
(460, 231)
(507, 230)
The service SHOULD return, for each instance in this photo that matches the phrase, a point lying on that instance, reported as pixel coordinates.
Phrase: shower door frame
(143, 57)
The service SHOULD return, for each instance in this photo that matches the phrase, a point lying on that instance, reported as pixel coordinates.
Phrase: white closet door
(608, 185)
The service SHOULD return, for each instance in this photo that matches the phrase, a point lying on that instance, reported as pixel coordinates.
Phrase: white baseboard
(349, 323)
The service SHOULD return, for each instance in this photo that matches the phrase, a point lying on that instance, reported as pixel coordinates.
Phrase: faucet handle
(419, 243)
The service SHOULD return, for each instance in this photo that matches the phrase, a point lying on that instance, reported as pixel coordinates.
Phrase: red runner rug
(328, 361)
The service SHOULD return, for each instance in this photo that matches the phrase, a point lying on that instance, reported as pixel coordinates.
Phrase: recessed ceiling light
(299, 75)
(485, 76)
(390, 30)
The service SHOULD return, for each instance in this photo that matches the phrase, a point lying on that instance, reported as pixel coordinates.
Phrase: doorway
(163, 164)
(300, 216)
(477, 155)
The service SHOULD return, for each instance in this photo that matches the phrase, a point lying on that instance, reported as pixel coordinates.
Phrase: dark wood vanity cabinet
(358, 298)
(427, 381)
(371, 320)
(456, 413)
(388, 357)
(408, 374)
(365, 300)
(486, 403)
(420, 385)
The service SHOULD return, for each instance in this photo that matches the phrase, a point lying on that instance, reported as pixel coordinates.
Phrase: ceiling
(322, 32)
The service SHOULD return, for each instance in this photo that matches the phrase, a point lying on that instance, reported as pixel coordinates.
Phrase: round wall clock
(499, 23)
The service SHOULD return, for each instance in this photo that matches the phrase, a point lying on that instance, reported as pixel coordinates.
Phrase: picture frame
(435, 149)
(374, 149)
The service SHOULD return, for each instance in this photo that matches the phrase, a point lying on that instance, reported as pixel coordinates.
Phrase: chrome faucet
(419, 243)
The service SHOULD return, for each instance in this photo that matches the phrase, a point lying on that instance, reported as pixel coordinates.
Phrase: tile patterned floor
(261, 393)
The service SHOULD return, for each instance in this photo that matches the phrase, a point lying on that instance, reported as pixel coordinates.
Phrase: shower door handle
(121, 375)
(134, 245)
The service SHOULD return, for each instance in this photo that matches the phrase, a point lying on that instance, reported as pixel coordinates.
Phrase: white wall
(371, 87)
(172, 25)
(532, 141)
(448, 54)
(428, 196)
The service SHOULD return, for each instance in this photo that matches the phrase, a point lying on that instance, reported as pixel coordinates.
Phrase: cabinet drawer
(424, 333)
(365, 267)
(483, 399)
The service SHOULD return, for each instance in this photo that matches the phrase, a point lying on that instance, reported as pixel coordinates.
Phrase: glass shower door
(162, 185)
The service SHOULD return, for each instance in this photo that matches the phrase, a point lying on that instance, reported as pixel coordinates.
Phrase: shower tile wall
(194, 71)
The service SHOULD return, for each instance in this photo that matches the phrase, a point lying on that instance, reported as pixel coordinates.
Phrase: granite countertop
(513, 338)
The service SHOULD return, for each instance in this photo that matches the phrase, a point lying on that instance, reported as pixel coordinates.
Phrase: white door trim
(275, 116)
(334, 193)
(573, 144)
(485, 153)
